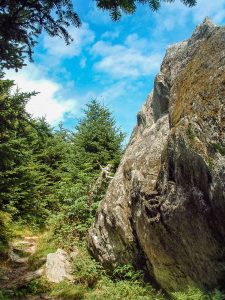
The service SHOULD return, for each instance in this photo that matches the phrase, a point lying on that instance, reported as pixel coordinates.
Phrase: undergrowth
(92, 282)
(197, 294)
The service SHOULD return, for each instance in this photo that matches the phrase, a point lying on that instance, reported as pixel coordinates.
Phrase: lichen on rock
(164, 210)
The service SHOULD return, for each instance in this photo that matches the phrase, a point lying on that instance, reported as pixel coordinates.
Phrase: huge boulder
(164, 210)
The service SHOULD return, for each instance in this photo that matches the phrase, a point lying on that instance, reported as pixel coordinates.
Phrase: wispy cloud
(177, 15)
(57, 49)
(213, 9)
(111, 34)
(130, 59)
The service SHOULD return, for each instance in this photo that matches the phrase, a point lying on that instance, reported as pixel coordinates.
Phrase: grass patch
(104, 289)
(123, 283)
(196, 294)
(10, 231)
(39, 287)
(91, 282)
(66, 291)
(123, 289)
(45, 245)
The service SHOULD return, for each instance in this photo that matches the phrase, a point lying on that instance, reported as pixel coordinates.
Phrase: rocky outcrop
(164, 210)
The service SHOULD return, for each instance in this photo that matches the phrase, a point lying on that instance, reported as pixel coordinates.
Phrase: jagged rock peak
(164, 210)
(206, 24)
(203, 29)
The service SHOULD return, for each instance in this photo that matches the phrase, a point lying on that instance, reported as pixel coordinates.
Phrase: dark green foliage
(4, 233)
(44, 171)
(14, 151)
(22, 21)
(85, 269)
(116, 7)
(31, 157)
(127, 272)
(97, 141)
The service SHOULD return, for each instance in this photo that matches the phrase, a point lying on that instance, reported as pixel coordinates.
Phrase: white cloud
(132, 59)
(57, 48)
(48, 103)
(177, 15)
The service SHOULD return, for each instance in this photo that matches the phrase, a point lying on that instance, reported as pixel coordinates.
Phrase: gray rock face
(58, 266)
(164, 210)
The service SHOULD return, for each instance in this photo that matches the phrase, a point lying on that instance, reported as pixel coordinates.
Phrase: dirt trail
(16, 273)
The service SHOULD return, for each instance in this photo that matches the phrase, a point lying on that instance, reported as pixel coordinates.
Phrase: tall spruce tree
(96, 142)
(14, 152)
(31, 156)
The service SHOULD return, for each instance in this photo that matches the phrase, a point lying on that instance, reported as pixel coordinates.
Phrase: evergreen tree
(13, 150)
(22, 21)
(44, 171)
(116, 7)
(30, 159)
(96, 142)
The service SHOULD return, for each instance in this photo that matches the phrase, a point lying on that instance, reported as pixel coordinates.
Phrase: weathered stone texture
(165, 208)
(58, 266)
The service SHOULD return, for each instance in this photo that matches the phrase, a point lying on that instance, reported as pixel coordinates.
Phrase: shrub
(127, 272)
(86, 270)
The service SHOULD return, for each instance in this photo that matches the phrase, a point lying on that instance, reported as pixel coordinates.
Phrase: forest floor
(22, 274)
(22, 277)
(16, 271)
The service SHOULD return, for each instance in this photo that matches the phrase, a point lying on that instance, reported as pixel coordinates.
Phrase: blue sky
(114, 62)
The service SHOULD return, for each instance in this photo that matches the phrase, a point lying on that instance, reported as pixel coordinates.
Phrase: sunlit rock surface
(58, 266)
(164, 211)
